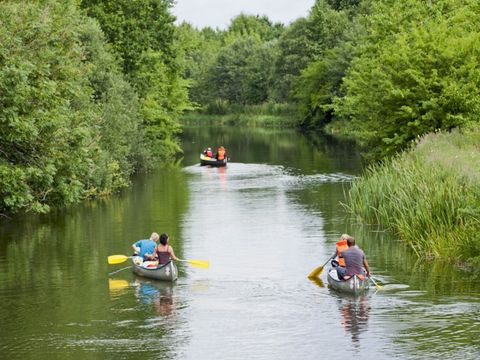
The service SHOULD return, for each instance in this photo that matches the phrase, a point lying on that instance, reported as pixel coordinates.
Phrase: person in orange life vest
(220, 153)
(208, 152)
(164, 252)
(355, 261)
(340, 246)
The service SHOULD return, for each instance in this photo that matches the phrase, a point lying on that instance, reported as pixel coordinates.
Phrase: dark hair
(163, 239)
(350, 241)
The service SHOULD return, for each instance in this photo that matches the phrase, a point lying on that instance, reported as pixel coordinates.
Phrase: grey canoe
(354, 285)
(167, 272)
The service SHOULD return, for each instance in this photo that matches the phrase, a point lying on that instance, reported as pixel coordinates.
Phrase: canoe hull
(205, 160)
(354, 285)
(167, 272)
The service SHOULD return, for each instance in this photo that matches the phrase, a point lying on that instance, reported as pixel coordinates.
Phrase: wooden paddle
(318, 270)
(118, 259)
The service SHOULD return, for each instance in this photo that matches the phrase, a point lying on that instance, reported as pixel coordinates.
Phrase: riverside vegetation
(93, 91)
(429, 196)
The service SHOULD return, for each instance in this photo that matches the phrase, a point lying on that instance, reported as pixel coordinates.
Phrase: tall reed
(429, 196)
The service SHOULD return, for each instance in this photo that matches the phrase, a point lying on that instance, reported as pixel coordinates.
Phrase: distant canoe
(206, 160)
(167, 272)
(354, 285)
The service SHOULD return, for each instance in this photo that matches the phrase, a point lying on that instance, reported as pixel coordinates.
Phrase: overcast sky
(218, 13)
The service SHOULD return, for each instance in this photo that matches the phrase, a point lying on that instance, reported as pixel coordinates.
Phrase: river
(264, 223)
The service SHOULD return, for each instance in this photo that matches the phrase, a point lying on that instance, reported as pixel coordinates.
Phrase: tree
(293, 54)
(240, 72)
(329, 33)
(60, 137)
(142, 34)
(253, 26)
(416, 72)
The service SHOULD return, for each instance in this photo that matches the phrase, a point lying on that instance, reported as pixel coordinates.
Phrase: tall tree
(142, 34)
(61, 139)
(416, 72)
(253, 25)
(240, 73)
(329, 33)
(293, 54)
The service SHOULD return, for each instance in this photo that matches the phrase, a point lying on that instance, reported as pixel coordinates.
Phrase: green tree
(416, 72)
(329, 33)
(293, 54)
(59, 140)
(253, 25)
(240, 73)
(142, 34)
(198, 50)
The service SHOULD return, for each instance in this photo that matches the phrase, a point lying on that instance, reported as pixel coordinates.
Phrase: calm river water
(264, 223)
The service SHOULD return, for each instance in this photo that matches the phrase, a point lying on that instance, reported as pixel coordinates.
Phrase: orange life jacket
(221, 153)
(341, 246)
(209, 153)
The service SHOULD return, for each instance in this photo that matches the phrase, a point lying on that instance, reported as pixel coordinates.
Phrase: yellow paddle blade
(317, 281)
(117, 259)
(315, 272)
(199, 263)
(117, 284)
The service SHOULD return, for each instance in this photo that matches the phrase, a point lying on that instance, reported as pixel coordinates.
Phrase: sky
(218, 13)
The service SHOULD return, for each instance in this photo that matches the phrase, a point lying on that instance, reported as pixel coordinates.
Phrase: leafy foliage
(416, 72)
(142, 35)
(428, 195)
(240, 73)
(253, 26)
(70, 124)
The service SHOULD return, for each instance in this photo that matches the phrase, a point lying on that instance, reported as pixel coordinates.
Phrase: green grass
(429, 196)
(263, 115)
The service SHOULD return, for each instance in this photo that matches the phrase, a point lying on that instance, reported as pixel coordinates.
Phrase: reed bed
(429, 196)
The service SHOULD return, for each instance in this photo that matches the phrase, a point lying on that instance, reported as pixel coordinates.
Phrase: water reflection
(279, 204)
(355, 312)
(156, 293)
(317, 281)
(117, 285)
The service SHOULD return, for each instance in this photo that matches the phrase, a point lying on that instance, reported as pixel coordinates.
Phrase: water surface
(264, 223)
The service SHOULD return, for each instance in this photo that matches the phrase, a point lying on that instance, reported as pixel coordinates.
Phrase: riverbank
(264, 115)
(429, 196)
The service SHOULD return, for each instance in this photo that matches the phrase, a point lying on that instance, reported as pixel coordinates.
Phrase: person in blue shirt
(145, 248)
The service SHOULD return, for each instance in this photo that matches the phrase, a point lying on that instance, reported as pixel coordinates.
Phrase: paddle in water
(318, 270)
(375, 283)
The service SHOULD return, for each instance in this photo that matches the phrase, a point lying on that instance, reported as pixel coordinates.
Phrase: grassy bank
(429, 196)
(264, 115)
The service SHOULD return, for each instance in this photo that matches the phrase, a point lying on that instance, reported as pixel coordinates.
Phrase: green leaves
(417, 77)
(428, 195)
(70, 124)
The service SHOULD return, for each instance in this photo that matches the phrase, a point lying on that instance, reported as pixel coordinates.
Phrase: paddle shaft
(114, 272)
(374, 282)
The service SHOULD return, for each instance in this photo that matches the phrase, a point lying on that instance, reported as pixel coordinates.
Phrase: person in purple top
(355, 261)
(145, 248)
